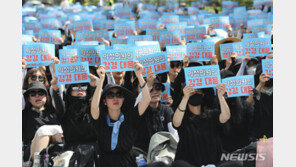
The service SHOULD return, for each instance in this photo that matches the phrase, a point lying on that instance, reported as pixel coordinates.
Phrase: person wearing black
(38, 112)
(198, 121)
(116, 119)
(236, 131)
(156, 117)
(77, 124)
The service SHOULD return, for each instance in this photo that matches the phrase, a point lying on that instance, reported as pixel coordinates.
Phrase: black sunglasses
(34, 78)
(111, 95)
(34, 93)
(173, 65)
(156, 87)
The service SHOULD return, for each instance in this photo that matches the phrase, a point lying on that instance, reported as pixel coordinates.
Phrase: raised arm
(179, 114)
(57, 98)
(146, 95)
(95, 109)
(225, 111)
(263, 78)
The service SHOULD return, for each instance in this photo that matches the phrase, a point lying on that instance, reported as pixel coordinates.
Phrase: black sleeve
(135, 116)
(169, 114)
(59, 104)
(24, 127)
(232, 64)
(90, 91)
(127, 81)
(177, 85)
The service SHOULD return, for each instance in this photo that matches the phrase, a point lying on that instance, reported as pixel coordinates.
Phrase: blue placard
(166, 93)
(155, 33)
(118, 41)
(170, 38)
(227, 49)
(65, 55)
(90, 53)
(156, 63)
(145, 24)
(118, 60)
(90, 36)
(239, 85)
(124, 28)
(98, 25)
(179, 27)
(27, 38)
(145, 50)
(50, 36)
(255, 22)
(35, 26)
(250, 35)
(86, 43)
(176, 53)
(213, 39)
(202, 76)
(167, 19)
(239, 9)
(201, 51)
(72, 73)
(219, 22)
(51, 23)
(133, 39)
(28, 32)
(123, 12)
(257, 46)
(142, 43)
(265, 28)
(38, 54)
(82, 25)
(122, 46)
(194, 34)
(267, 67)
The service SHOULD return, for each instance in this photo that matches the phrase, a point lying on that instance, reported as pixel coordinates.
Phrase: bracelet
(180, 109)
(143, 85)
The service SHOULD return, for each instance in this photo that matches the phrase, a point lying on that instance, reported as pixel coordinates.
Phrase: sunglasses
(157, 87)
(173, 65)
(111, 95)
(76, 87)
(34, 93)
(40, 78)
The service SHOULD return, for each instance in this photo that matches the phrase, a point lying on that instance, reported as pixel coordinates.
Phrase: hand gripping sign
(170, 37)
(194, 34)
(257, 46)
(166, 93)
(90, 36)
(202, 76)
(71, 73)
(201, 51)
(50, 36)
(38, 54)
(226, 50)
(118, 60)
(176, 53)
(67, 54)
(156, 63)
(267, 67)
(239, 85)
(82, 25)
(90, 53)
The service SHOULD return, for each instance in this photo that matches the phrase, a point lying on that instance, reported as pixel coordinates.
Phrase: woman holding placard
(198, 121)
(117, 119)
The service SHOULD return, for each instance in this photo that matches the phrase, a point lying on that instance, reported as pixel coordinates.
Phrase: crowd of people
(114, 120)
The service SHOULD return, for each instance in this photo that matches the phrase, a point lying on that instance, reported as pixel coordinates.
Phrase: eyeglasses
(157, 87)
(40, 78)
(111, 95)
(76, 87)
(34, 93)
(173, 65)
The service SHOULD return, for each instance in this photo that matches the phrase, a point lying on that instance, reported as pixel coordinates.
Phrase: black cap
(156, 81)
(35, 86)
(126, 92)
(226, 74)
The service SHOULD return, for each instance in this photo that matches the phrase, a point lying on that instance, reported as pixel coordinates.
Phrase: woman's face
(114, 99)
(37, 98)
(175, 68)
(155, 93)
(118, 75)
(79, 90)
(36, 76)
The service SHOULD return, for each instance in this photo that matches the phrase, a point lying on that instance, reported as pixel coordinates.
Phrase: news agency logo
(242, 157)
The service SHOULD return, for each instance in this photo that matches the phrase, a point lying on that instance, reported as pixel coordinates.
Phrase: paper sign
(38, 54)
(144, 43)
(267, 67)
(257, 46)
(156, 63)
(166, 93)
(35, 26)
(123, 12)
(133, 39)
(118, 41)
(201, 51)
(169, 38)
(255, 22)
(250, 35)
(155, 33)
(118, 60)
(86, 43)
(239, 85)
(65, 55)
(220, 22)
(169, 19)
(122, 46)
(27, 38)
(98, 25)
(145, 24)
(202, 76)
(265, 28)
(124, 29)
(51, 24)
(90, 36)
(176, 53)
(194, 34)
(240, 9)
(50, 36)
(213, 39)
(82, 25)
(177, 26)
(72, 73)
(145, 50)
(227, 49)
(90, 53)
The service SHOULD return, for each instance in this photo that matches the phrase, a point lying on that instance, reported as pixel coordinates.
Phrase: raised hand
(101, 72)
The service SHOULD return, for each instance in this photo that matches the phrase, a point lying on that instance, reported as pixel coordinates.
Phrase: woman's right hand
(150, 79)
(263, 78)
(188, 90)
(186, 61)
(54, 82)
(101, 72)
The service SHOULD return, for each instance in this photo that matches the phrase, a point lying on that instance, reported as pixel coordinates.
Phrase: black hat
(156, 81)
(226, 74)
(35, 86)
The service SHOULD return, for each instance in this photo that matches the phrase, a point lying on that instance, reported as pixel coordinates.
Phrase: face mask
(195, 99)
(251, 70)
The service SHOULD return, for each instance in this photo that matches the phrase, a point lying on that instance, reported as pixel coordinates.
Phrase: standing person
(75, 118)
(198, 125)
(117, 119)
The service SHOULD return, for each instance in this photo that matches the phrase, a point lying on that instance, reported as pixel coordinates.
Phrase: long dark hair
(30, 73)
(48, 103)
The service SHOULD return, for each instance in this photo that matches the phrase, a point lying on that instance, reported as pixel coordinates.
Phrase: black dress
(199, 142)
(120, 156)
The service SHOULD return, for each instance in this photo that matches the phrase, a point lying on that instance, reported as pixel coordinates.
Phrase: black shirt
(199, 139)
(151, 122)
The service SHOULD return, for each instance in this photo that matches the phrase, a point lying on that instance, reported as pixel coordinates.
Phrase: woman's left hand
(221, 89)
(169, 101)
(93, 80)
(138, 68)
